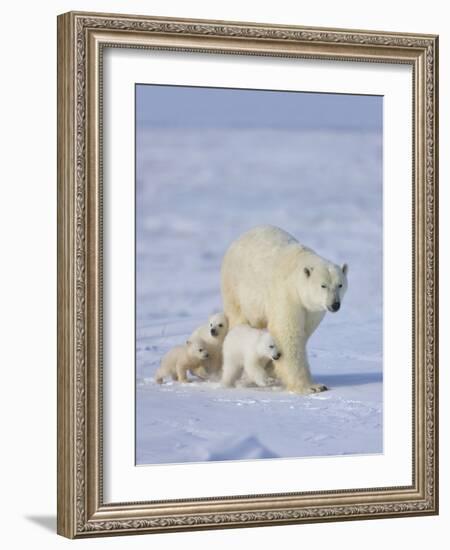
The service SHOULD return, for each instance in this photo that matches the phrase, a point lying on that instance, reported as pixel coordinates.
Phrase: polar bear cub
(181, 359)
(247, 350)
(213, 334)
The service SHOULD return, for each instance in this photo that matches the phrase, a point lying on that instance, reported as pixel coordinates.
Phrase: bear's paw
(307, 390)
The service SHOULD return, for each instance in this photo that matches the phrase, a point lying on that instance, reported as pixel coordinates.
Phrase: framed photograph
(247, 274)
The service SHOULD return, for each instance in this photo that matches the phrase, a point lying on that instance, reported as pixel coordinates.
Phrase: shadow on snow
(350, 379)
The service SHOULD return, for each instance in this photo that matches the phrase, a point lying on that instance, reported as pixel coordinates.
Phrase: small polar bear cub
(247, 350)
(213, 334)
(181, 359)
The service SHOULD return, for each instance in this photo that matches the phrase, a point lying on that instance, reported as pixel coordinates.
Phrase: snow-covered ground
(197, 190)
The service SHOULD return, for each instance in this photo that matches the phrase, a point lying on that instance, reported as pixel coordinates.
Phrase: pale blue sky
(196, 107)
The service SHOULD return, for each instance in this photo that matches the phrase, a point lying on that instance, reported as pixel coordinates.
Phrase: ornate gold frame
(81, 37)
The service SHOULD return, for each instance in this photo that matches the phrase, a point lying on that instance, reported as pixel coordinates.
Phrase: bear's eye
(200, 349)
(324, 286)
(340, 286)
(220, 325)
(271, 347)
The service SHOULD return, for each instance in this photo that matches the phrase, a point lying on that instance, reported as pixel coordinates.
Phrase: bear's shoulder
(200, 332)
(177, 352)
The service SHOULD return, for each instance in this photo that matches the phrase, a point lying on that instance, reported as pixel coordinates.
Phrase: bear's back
(266, 240)
(268, 234)
(241, 339)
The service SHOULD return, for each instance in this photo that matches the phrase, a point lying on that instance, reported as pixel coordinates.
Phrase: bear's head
(266, 347)
(196, 348)
(323, 286)
(218, 326)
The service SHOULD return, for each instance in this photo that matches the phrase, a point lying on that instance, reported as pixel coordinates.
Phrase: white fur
(270, 280)
(247, 350)
(181, 359)
(212, 334)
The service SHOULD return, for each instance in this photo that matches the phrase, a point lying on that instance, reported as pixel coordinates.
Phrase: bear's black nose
(336, 306)
(277, 356)
(213, 332)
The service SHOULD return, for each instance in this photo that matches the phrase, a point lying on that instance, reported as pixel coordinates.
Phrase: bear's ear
(307, 272)
(345, 269)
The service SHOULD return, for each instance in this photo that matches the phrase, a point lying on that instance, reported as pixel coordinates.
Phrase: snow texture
(196, 191)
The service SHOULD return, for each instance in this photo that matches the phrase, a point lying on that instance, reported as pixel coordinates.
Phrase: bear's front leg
(294, 372)
(293, 366)
(199, 371)
(214, 365)
(256, 373)
(182, 369)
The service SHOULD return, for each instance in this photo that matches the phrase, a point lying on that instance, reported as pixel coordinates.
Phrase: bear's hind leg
(230, 374)
(162, 372)
(232, 310)
(159, 376)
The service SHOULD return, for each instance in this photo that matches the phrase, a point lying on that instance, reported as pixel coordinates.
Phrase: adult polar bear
(270, 280)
